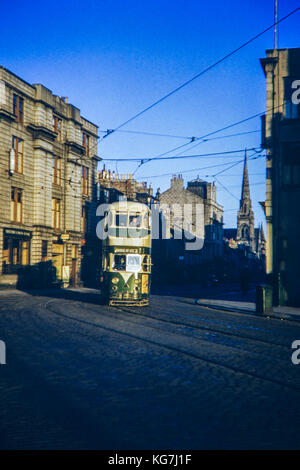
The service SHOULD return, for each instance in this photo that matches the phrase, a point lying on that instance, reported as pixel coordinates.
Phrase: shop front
(16, 250)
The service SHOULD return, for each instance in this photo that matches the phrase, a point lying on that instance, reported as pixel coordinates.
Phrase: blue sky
(114, 58)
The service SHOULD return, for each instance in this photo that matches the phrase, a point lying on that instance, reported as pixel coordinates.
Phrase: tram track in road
(186, 325)
(204, 328)
(172, 345)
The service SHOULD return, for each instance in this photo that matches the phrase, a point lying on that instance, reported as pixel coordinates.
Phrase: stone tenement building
(201, 193)
(281, 138)
(112, 185)
(48, 174)
(245, 235)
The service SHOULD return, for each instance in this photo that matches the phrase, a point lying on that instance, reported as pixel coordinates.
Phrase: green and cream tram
(126, 254)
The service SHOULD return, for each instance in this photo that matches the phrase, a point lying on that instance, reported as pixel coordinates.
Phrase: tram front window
(119, 262)
(133, 263)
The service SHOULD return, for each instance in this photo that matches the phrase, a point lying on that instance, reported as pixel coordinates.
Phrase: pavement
(284, 312)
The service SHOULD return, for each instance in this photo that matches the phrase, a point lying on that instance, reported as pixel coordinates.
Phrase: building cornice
(5, 114)
(41, 132)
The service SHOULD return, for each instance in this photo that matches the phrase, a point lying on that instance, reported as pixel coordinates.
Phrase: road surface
(174, 375)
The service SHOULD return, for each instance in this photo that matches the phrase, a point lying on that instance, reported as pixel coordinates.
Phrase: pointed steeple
(245, 218)
(245, 198)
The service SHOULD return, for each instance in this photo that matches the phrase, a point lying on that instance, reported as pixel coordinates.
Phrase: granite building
(112, 186)
(47, 176)
(281, 139)
(210, 227)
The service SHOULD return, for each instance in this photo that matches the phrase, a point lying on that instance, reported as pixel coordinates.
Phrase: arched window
(245, 232)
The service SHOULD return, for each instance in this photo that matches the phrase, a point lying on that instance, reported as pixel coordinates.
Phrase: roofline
(34, 88)
(17, 76)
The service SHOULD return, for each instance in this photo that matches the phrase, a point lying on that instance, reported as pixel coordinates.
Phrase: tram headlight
(115, 280)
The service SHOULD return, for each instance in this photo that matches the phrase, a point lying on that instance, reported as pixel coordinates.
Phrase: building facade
(47, 177)
(281, 139)
(112, 186)
(207, 224)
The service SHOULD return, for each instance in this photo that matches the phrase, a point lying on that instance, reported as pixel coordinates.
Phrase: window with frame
(55, 213)
(56, 177)
(16, 204)
(146, 265)
(44, 250)
(18, 145)
(291, 165)
(86, 143)
(18, 107)
(57, 125)
(121, 219)
(84, 219)
(291, 110)
(135, 219)
(85, 180)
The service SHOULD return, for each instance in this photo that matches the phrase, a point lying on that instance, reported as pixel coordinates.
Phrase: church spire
(245, 198)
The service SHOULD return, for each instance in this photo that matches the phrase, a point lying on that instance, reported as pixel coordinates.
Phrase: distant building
(245, 236)
(210, 227)
(112, 186)
(47, 179)
(281, 138)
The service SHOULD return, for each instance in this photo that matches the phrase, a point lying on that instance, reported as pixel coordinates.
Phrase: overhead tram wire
(251, 157)
(111, 131)
(227, 190)
(227, 164)
(146, 160)
(204, 137)
(141, 159)
(156, 134)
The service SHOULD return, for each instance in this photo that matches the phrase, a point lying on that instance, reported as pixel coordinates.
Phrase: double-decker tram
(126, 254)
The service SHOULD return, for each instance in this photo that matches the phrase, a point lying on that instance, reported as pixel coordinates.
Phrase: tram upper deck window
(119, 262)
(121, 219)
(135, 220)
(146, 221)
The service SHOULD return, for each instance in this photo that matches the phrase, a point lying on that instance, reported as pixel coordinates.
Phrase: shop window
(16, 203)
(24, 253)
(16, 253)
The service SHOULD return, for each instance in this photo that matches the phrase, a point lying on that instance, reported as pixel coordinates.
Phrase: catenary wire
(210, 67)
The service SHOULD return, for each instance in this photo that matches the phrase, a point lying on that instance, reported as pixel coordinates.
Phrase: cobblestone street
(174, 375)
